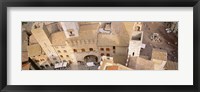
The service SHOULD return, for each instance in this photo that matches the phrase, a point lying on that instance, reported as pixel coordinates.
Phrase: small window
(46, 65)
(137, 28)
(70, 62)
(91, 49)
(52, 64)
(113, 51)
(75, 50)
(67, 55)
(59, 51)
(83, 50)
(36, 61)
(102, 49)
(42, 67)
(61, 56)
(65, 51)
(107, 49)
(107, 54)
(113, 47)
(102, 54)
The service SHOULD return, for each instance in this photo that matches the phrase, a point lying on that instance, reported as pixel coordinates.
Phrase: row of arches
(88, 58)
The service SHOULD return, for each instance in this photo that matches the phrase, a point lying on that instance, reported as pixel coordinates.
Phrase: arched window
(52, 64)
(138, 28)
(102, 54)
(65, 51)
(91, 49)
(75, 50)
(107, 54)
(59, 51)
(102, 49)
(46, 65)
(133, 53)
(113, 47)
(37, 61)
(61, 56)
(70, 62)
(107, 49)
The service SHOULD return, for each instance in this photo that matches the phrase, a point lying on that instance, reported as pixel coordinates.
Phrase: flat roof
(139, 63)
(86, 32)
(34, 50)
(58, 38)
(118, 37)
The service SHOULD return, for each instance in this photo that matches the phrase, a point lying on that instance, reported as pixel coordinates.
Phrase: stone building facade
(75, 42)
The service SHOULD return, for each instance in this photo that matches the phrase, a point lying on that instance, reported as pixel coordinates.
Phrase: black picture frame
(99, 3)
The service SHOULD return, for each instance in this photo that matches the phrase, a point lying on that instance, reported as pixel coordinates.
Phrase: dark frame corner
(100, 3)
